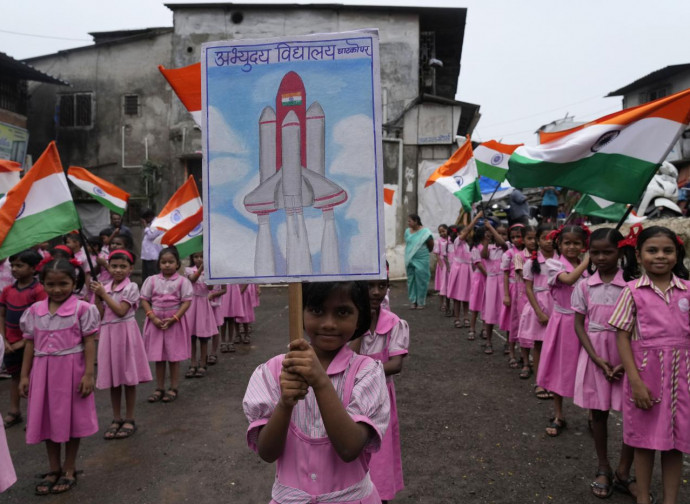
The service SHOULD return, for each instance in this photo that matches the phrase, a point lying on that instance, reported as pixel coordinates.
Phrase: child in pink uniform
(58, 372)
(493, 293)
(121, 353)
(442, 267)
(519, 300)
(247, 292)
(201, 316)
(74, 243)
(476, 304)
(653, 336)
(516, 232)
(598, 385)
(387, 340)
(321, 410)
(537, 310)
(561, 345)
(7, 475)
(165, 298)
(460, 275)
(233, 308)
(215, 298)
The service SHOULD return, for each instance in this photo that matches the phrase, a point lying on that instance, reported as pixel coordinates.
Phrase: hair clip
(631, 239)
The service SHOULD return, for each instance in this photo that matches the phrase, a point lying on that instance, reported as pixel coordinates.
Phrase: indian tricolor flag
(9, 175)
(186, 82)
(38, 208)
(183, 204)
(492, 159)
(459, 176)
(595, 206)
(613, 157)
(186, 236)
(103, 191)
(291, 99)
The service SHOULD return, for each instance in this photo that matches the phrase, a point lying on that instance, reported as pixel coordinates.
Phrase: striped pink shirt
(369, 402)
(625, 312)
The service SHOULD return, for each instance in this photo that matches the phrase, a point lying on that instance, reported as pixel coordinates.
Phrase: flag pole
(625, 216)
(295, 311)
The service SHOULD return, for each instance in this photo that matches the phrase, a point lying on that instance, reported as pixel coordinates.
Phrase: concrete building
(14, 100)
(120, 111)
(658, 84)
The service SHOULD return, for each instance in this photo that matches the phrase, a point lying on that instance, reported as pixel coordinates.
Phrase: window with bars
(76, 110)
(130, 105)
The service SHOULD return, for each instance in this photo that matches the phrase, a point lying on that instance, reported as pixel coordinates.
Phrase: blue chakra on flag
(196, 231)
(21, 210)
(458, 179)
(497, 159)
(604, 139)
(98, 191)
(176, 216)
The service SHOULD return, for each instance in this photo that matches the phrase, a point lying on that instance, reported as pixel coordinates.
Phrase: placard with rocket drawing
(292, 172)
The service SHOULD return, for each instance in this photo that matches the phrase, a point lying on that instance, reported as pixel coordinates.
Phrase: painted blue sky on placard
(343, 88)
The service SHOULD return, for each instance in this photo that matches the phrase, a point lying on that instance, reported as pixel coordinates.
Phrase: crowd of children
(606, 321)
(62, 312)
(597, 317)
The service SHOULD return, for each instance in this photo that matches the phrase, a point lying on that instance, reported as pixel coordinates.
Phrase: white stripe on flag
(44, 194)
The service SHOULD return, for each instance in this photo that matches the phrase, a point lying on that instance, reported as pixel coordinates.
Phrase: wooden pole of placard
(295, 323)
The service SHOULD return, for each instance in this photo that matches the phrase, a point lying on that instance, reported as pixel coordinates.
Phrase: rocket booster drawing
(292, 159)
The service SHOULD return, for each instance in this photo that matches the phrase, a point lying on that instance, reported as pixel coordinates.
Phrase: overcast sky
(526, 62)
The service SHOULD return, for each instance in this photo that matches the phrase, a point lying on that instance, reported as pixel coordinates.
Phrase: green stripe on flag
(188, 247)
(43, 226)
(615, 177)
(493, 172)
(109, 204)
(468, 195)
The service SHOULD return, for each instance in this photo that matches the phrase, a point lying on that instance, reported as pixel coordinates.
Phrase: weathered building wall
(109, 72)
(399, 44)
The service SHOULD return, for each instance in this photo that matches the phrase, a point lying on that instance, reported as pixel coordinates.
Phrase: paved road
(472, 431)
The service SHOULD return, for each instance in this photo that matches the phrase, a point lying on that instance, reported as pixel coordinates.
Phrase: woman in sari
(418, 244)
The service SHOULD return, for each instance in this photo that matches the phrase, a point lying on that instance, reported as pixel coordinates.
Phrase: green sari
(417, 265)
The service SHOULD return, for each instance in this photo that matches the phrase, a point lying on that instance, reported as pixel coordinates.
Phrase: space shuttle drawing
(292, 176)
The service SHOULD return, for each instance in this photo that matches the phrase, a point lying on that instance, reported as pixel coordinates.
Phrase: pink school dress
(596, 300)
(201, 316)
(530, 330)
(104, 275)
(166, 295)
(441, 276)
(391, 338)
(310, 470)
(121, 353)
(217, 304)
(660, 328)
(478, 281)
(507, 265)
(7, 475)
(56, 410)
(561, 347)
(460, 275)
(248, 306)
(232, 304)
(493, 292)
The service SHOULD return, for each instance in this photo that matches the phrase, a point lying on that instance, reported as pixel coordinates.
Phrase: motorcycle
(660, 197)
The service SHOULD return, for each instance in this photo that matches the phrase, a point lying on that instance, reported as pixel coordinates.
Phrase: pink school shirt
(369, 403)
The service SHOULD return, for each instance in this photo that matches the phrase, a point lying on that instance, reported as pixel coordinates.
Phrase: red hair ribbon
(631, 239)
(553, 235)
(586, 230)
(680, 241)
(43, 262)
(75, 262)
(535, 255)
(121, 251)
(64, 248)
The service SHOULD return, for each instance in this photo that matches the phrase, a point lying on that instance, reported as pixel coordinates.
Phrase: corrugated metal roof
(10, 67)
(655, 76)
